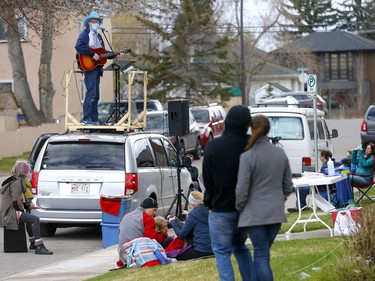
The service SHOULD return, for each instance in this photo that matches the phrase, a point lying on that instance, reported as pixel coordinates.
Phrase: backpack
(142, 252)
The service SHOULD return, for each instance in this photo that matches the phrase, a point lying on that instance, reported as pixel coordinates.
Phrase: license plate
(80, 188)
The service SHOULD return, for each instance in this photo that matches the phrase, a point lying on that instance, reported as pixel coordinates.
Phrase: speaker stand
(177, 201)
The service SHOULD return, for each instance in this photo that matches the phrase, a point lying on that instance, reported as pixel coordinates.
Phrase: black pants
(32, 225)
(192, 254)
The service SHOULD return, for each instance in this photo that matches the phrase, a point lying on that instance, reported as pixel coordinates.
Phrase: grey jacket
(12, 190)
(264, 183)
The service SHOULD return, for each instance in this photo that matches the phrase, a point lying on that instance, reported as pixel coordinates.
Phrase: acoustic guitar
(87, 63)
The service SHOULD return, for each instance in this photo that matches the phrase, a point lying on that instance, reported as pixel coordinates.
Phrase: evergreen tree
(306, 16)
(357, 16)
(192, 58)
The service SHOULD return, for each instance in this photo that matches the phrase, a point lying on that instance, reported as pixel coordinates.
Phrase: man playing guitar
(88, 41)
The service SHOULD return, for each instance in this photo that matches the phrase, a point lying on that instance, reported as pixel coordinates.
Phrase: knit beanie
(149, 203)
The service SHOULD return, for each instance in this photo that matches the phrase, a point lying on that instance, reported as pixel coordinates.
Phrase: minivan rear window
(288, 128)
(84, 156)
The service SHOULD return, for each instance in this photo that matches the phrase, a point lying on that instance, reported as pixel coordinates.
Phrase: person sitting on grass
(141, 223)
(196, 224)
(162, 227)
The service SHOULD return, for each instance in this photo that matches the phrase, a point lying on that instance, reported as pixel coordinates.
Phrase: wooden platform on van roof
(124, 124)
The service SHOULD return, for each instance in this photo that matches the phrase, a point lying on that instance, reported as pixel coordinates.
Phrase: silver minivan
(72, 170)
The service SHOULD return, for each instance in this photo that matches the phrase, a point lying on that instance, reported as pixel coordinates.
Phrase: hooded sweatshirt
(221, 161)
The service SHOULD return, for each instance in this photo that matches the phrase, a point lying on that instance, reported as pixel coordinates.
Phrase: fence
(14, 143)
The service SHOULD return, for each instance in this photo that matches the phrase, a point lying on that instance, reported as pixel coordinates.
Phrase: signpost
(311, 88)
(311, 83)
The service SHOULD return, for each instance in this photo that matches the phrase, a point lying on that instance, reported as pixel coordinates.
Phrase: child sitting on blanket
(162, 227)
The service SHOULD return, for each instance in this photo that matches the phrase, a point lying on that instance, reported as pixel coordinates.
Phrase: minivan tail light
(34, 183)
(306, 161)
(131, 183)
(364, 126)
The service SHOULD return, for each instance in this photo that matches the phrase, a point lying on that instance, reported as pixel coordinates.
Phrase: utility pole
(243, 76)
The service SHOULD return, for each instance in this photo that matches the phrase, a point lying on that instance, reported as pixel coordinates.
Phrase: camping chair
(363, 189)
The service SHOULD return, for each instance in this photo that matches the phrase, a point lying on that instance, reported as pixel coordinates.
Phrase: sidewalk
(101, 261)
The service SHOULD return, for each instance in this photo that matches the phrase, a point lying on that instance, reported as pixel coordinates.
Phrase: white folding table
(313, 182)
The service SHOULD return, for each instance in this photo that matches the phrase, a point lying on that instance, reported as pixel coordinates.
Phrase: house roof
(275, 69)
(333, 41)
(280, 87)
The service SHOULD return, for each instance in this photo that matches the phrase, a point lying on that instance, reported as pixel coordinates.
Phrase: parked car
(108, 112)
(293, 130)
(157, 122)
(72, 170)
(305, 100)
(368, 126)
(151, 105)
(210, 120)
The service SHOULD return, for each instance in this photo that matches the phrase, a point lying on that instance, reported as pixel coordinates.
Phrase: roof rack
(276, 104)
(124, 124)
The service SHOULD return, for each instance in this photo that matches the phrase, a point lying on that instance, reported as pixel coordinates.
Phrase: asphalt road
(75, 241)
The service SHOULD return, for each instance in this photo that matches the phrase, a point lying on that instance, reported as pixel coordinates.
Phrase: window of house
(6, 86)
(338, 66)
(22, 30)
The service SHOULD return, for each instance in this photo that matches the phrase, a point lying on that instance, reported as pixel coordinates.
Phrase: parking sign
(311, 83)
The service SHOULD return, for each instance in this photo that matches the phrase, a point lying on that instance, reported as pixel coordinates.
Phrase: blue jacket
(197, 222)
(364, 166)
(82, 44)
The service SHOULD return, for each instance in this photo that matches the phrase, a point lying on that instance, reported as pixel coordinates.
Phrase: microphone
(101, 28)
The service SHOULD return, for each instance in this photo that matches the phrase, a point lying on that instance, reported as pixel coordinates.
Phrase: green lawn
(6, 164)
(289, 259)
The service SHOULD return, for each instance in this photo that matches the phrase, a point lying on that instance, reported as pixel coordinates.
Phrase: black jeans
(32, 225)
(192, 254)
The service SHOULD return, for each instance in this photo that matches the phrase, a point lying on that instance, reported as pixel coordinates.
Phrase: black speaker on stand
(178, 120)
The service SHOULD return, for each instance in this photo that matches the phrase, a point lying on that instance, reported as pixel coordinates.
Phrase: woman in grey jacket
(264, 183)
(14, 207)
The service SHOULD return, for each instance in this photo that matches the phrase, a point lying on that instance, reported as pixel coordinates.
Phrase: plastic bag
(345, 224)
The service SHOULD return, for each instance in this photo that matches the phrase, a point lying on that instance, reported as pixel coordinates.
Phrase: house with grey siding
(345, 65)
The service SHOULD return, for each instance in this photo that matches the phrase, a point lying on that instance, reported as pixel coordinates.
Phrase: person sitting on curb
(15, 207)
(194, 172)
(141, 223)
(324, 156)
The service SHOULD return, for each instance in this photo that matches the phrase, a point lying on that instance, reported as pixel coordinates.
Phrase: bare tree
(363, 100)
(21, 86)
(47, 18)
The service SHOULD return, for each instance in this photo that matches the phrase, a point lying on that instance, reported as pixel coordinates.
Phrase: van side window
(320, 129)
(143, 153)
(172, 154)
(160, 154)
(288, 128)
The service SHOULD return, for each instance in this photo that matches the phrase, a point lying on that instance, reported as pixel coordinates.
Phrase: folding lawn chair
(363, 189)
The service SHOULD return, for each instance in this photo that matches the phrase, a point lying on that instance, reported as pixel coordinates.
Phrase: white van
(293, 130)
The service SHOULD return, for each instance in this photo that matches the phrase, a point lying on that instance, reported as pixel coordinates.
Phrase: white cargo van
(293, 130)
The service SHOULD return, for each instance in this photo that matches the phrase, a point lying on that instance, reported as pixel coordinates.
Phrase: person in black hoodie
(219, 170)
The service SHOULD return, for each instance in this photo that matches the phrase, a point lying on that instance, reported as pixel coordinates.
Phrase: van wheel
(198, 150)
(182, 149)
(47, 229)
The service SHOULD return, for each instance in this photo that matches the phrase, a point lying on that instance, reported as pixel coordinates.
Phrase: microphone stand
(109, 44)
(116, 111)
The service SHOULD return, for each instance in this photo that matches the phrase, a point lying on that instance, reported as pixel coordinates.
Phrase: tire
(47, 229)
(198, 150)
(210, 138)
(182, 149)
